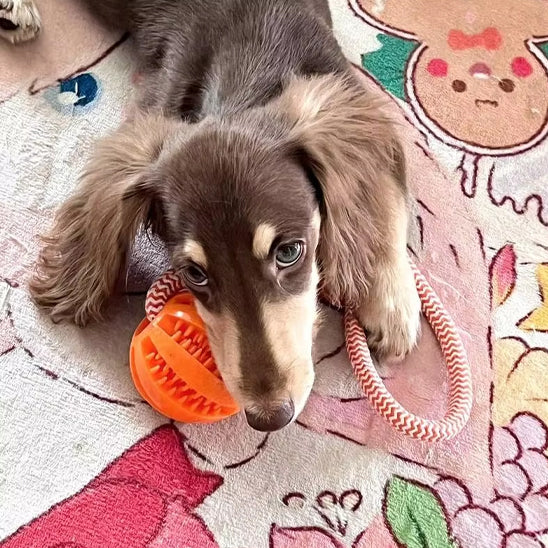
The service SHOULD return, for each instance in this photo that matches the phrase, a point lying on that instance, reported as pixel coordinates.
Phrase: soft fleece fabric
(84, 462)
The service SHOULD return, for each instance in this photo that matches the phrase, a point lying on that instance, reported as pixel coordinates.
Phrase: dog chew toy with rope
(170, 359)
(173, 368)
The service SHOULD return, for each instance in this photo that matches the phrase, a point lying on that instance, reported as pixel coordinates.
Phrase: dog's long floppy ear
(85, 252)
(349, 147)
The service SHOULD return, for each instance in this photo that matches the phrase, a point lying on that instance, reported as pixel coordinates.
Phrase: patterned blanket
(84, 462)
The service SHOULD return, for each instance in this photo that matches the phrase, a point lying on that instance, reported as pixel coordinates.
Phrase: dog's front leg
(390, 311)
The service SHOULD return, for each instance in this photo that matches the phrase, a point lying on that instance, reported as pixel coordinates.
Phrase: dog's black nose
(269, 420)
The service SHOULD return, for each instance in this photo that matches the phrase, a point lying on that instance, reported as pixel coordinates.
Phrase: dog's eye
(195, 275)
(288, 254)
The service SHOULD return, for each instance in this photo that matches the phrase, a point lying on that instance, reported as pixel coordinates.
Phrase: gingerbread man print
(474, 80)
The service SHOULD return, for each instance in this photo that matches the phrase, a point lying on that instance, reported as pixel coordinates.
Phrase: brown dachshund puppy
(269, 172)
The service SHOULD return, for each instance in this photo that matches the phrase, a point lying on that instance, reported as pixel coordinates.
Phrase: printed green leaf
(388, 64)
(415, 516)
(543, 46)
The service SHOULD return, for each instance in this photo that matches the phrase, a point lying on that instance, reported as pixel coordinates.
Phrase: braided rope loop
(459, 375)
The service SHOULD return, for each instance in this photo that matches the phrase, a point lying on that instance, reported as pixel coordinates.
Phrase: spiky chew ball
(172, 366)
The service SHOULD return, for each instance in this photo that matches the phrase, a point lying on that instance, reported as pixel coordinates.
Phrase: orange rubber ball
(173, 368)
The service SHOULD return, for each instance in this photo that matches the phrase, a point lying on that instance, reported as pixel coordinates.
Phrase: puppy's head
(242, 223)
(256, 208)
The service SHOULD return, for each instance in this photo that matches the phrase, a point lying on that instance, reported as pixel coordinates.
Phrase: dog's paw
(19, 20)
(391, 316)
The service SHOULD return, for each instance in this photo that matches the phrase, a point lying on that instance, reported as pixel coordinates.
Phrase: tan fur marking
(262, 240)
(289, 327)
(194, 252)
(224, 340)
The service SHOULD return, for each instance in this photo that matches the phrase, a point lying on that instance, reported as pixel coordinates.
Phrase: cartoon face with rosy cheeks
(474, 80)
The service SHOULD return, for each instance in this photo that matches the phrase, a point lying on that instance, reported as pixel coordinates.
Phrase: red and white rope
(165, 287)
(458, 372)
(459, 376)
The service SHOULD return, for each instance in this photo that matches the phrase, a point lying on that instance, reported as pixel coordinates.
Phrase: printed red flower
(143, 499)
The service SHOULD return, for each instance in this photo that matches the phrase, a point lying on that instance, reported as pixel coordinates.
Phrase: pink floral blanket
(84, 462)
